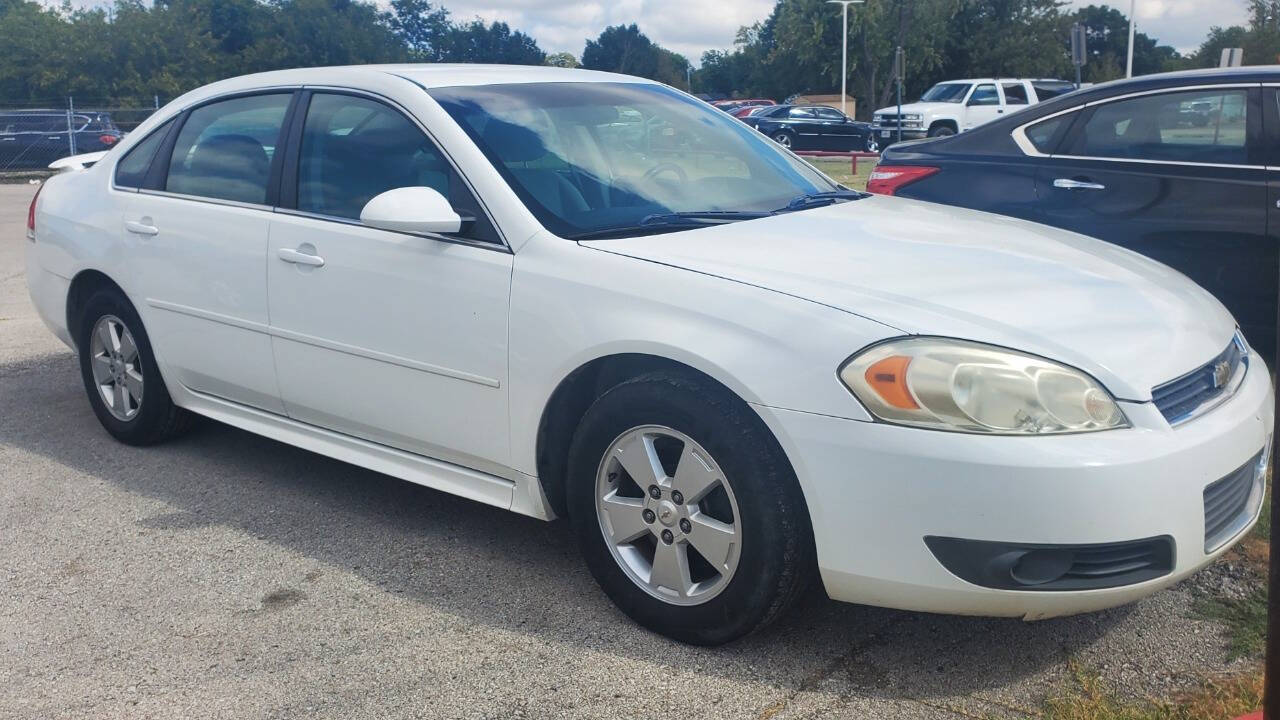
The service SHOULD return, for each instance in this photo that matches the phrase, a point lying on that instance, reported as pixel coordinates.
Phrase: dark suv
(1181, 167)
(35, 138)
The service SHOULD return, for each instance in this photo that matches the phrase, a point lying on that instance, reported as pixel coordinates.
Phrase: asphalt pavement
(228, 576)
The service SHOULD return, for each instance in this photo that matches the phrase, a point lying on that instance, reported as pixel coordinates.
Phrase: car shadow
(496, 568)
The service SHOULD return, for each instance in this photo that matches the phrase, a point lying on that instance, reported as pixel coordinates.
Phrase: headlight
(911, 116)
(969, 387)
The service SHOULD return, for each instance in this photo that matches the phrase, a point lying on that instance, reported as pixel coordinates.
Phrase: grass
(838, 169)
(1219, 698)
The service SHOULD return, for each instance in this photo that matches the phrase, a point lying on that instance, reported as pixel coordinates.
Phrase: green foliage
(624, 49)
(797, 49)
(133, 52)
(562, 59)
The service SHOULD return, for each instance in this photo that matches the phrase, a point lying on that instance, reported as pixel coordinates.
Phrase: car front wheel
(941, 131)
(783, 139)
(686, 511)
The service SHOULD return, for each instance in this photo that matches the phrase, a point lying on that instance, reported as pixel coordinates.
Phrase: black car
(35, 138)
(1181, 167)
(813, 127)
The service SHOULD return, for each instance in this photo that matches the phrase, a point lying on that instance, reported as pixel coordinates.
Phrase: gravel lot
(225, 575)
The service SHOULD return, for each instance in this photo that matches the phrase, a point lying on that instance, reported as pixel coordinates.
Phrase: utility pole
(1128, 68)
(900, 62)
(844, 46)
(688, 77)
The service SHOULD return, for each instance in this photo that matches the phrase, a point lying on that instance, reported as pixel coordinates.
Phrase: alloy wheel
(668, 515)
(783, 139)
(117, 367)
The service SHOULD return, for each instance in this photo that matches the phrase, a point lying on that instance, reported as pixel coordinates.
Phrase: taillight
(31, 215)
(888, 179)
(107, 139)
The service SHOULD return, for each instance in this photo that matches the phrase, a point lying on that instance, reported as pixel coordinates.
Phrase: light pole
(844, 46)
(1128, 68)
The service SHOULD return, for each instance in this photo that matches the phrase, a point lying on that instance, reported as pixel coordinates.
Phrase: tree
(1108, 32)
(495, 43)
(422, 26)
(562, 59)
(624, 49)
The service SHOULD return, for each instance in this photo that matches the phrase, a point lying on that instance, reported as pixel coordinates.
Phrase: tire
(752, 491)
(144, 413)
(872, 145)
(941, 131)
(784, 139)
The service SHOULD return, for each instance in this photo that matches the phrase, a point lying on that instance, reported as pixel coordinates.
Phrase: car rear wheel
(686, 511)
(941, 131)
(120, 373)
(783, 139)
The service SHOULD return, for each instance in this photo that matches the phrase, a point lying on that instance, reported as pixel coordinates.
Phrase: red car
(740, 108)
(749, 106)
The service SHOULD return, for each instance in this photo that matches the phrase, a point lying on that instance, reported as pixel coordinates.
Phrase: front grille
(1226, 504)
(886, 120)
(1179, 399)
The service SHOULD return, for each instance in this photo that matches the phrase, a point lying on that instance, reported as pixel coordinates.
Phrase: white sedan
(577, 294)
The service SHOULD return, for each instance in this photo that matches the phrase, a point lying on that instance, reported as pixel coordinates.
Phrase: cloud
(1184, 24)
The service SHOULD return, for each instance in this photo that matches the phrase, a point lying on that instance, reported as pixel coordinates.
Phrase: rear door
(1136, 172)
(196, 236)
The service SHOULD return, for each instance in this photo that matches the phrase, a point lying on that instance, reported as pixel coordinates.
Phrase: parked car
(813, 127)
(749, 106)
(959, 105)
(731, 374)
(35, 138)
(1179, 167)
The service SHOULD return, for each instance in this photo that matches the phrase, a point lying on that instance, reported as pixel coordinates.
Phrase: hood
(919, 107)
(931, 269)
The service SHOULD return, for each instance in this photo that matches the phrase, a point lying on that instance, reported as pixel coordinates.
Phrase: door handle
(299, 258)
(1069, 184)
(141, 228)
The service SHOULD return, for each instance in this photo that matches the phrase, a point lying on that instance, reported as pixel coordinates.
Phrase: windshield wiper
(668, 222)
(804, 202)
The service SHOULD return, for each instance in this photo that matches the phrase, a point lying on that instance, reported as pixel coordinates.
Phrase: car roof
(1002, 79)
(425, 75)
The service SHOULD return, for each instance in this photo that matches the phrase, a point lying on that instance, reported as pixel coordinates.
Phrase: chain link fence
(34, 134)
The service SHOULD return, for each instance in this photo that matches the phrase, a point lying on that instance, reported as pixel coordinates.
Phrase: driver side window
(984, 95)
(354, 148)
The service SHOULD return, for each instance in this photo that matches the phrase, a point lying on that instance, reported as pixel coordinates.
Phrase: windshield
(586, 158)
(946, 92)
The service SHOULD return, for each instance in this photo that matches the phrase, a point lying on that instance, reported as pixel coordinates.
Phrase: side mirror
(412, 209)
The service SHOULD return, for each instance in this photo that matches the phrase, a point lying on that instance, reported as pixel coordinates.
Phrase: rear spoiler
(76, 162)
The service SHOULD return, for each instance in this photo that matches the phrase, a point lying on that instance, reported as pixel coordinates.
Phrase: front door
(983, 106)
(1145, 173)
(395, 338)
(197, 238)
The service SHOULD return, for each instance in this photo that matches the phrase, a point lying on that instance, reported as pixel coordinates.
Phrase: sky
(691, 26)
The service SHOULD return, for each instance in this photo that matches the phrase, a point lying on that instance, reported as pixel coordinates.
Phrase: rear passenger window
(354, 148)
(224, 149)
(1015, 94)
(1044, 134)
(132, 168)
(1196, 126)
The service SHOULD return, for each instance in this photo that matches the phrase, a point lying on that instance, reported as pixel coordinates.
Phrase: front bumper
(876, 491)
(890, 133)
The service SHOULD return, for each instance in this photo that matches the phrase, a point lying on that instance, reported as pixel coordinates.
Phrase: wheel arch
(83, 286)
(576, 392)
(945, 122)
